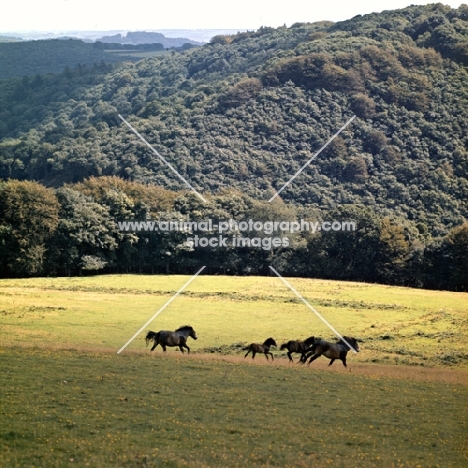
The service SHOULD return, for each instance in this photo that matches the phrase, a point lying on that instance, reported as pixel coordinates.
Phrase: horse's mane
(184, 327)
(311, 340)
(151, 335)
(352, 341)
(270, 341)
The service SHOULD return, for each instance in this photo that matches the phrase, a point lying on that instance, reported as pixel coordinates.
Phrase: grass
(67, 398)
(396, 325)
(135, 410)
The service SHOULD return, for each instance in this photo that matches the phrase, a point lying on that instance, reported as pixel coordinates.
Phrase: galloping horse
(169, 338)
(298, 347)
(264, 348)
(332, 351)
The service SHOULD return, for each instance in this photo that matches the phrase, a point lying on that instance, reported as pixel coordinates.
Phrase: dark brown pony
(332, 351)
(298, 347)
(264, 348)
(171, 338)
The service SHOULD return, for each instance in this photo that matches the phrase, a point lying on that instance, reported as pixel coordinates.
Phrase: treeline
(74, 230)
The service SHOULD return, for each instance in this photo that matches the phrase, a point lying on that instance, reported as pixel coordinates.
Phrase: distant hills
(197, 35)
(10, 39)
(31, 53)
(30, 57)
(143, 37)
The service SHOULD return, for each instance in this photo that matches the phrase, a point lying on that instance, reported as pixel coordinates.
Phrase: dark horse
(171, 338)
(332, 351)
(264, 348)
(298, 347)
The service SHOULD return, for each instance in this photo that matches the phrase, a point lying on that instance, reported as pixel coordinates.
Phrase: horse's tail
(151, 335)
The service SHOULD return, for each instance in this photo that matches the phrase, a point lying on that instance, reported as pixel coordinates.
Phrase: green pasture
(396, 325)
(63, 408)
(68, 399)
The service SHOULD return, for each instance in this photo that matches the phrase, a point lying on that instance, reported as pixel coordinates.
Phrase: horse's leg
(290, 357)
(331, 362)
(272, 358)
(314, 357)
(253, 353)
(181, 348)
(185, 346)
(155, 344)
(343, 358)
(247, 353)
(266, 355)
(163, 347)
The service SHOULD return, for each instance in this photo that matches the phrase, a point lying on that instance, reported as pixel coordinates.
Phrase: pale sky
(101, 15)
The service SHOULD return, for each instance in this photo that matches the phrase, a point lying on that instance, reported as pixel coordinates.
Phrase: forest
(237, 118)
(74, 230)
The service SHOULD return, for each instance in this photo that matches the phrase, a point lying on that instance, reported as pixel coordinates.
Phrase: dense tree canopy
(78, 228)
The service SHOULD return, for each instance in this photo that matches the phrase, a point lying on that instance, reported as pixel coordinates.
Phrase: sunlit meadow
(68, 398)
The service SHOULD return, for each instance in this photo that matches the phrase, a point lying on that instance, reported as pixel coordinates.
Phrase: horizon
(58, 16)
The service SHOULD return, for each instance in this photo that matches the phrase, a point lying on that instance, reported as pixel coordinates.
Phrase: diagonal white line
(311, 308)
(312, 158)
(162, 159)
(161, 309)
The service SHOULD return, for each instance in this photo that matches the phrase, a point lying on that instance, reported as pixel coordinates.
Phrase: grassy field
(68, 399)
(396, 325)
(135, 410)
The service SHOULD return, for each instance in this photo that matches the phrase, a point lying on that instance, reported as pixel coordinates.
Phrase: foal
(264, 348)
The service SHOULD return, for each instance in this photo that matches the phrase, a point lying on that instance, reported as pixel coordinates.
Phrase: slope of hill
(247, 111)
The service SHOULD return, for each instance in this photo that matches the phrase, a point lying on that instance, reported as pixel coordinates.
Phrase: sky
(105, 15)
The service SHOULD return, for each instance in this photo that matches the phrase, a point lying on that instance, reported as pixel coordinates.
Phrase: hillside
(247, 111)
(32, 58)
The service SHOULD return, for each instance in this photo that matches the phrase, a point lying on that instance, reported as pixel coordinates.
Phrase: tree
(28, 220)
(85, 230)
(240, 93)
(455, 246)
(356, 171)
(363, 106)
(393, 253)
(346, 255)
